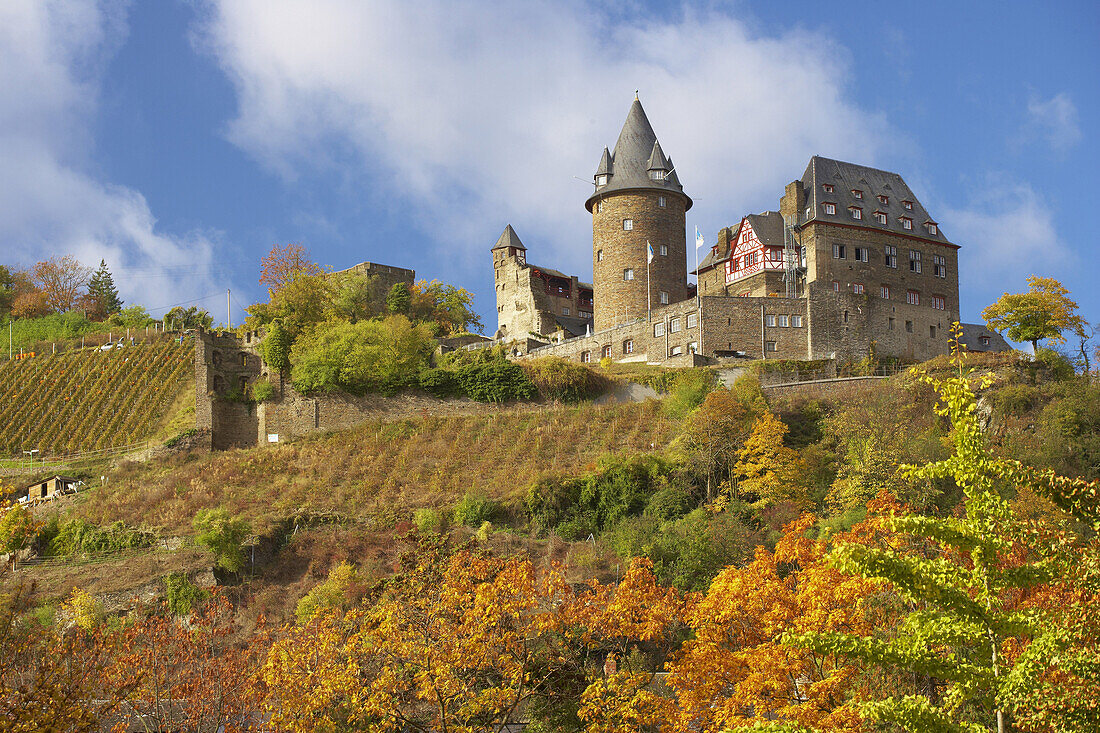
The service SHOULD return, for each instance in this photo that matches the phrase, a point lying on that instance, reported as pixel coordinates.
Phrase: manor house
(850, 264)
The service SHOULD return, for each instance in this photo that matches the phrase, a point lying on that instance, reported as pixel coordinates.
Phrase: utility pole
(9, 338)
(228, 311)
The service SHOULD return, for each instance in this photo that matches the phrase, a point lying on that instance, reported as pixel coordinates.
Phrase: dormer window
(906, 222)
(856, 193)
(932, 227)
(884, 200)
(827, 187)
(829, 208)
(880, 217)
(657, 175)
(856, 212)
(908, 205)
(601, 180)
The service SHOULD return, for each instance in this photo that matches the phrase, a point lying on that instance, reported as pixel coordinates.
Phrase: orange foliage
(283, 264)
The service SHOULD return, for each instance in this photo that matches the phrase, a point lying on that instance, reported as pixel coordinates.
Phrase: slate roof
(509, 238)
(972, 334)
(630, 162)
(768, 227)
(573, 325)
(722, 255)
(846, 177)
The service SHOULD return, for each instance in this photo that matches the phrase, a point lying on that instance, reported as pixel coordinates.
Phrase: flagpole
(648, 289)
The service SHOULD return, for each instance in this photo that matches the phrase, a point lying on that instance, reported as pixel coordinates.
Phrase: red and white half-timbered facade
(751, 256)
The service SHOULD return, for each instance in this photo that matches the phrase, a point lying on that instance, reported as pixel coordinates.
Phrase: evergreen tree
(399, 298)
(102, 291)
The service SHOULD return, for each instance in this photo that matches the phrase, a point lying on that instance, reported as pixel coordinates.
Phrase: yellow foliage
(87, 612)
(767, 468)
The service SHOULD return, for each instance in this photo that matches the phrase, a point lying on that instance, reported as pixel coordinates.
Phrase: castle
(850, 265)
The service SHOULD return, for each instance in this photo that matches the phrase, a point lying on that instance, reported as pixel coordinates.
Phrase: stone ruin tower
(638, 198)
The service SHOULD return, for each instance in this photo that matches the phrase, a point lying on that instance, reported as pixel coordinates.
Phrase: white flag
(649, 249)
(698, 238)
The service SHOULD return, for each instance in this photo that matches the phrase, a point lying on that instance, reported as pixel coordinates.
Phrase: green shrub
(1058, 366)
(76, 536)
(183, 595)
(275, 348)
(551, 500)
(565, 381)
(224, 536)
(670, 502)
(262, 390)
(174, 440)
(475, 509)
(333, 593)
(688, 391)
(439, 382)
(497, 380)
(17, 528)
(1015, 399)
(430, 520)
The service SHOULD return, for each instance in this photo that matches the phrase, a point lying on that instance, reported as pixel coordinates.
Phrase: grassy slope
(379, 469)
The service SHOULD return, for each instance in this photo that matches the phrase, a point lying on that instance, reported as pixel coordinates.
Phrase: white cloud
(482, 114)
(51, 58)
(1055, 120)
(1007, 232)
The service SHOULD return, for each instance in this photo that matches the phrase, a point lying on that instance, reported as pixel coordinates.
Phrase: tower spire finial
(636, 95)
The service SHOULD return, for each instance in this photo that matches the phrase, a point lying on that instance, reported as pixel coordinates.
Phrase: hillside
(88, 399)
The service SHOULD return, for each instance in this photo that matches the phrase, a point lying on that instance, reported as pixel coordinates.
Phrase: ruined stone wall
(385, 276)
(225, 366)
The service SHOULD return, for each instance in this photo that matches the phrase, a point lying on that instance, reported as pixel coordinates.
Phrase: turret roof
(509, 238)
(630, 161)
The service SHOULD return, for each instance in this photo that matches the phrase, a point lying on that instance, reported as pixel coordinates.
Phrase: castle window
(606, 352)
(890, 323)
(857, 213)
(884, 291)
(242, 384)
(908, 205)
(880, 217)
(783, 321)
(891, 255)
(771, 346)
(906, 223)
(693, 347)
(599, 207)
(939, 265)
(909, 327)
(857, 288)
(601, 180)
(657, 175)
(932, 332)
(845, 316)
(932, 228)
(586, 357)
(857, 193)
(599, 255)
(692, 320)
(244, 359)
(838, 252)
(674, 325)
(861, 254)
(769, 320)
(829, 208)
(628, 346)
(836, 286)
(796, 321)
(659, 329)
(827, 187)
(676, 351)
(662, 297)
(938, 302)
(661, 201)
(664, 250)
(912, 297)
(628, 273)
(628, 225)
(883, 199)
(802, 256)
(565, 311)
(914, 261)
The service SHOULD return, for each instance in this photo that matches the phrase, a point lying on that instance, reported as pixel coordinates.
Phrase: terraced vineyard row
(89, 399)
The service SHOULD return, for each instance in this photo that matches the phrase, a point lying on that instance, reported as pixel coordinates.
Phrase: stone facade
(384, 276)
(619, 267)
(225, 366)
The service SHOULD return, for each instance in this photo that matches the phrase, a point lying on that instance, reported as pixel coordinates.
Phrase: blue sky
(181, 140)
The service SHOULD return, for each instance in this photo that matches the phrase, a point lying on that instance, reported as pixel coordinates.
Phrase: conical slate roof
(657, 160)
(605, 164)
(630, 162)
(509, 238)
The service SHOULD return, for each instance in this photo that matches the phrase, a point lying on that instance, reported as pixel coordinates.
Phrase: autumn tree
(60, 279)
(283, 264)
(962, 585)
(450, 308)
(768, 469)
(223, 535)
(714, 433)
(1044, 312)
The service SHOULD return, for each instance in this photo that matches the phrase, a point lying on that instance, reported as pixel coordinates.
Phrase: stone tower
(638, 198)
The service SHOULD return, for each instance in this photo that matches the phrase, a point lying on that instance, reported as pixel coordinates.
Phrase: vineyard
(89, 399)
